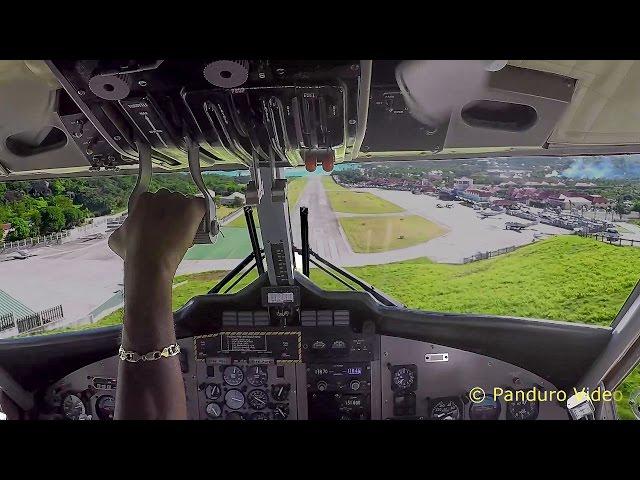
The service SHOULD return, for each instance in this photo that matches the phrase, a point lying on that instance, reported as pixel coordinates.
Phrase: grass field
(567, 278)
(634, 221)
(344, 200)
(222, 211)
(241, 222)
(382, 233)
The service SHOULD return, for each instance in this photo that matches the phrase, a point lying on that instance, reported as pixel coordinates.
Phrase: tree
(34, 217)
(620, 207)
(20, 230)
(52, 219)
(636, 206)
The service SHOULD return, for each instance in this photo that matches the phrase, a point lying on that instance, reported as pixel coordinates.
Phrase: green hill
(564, 278)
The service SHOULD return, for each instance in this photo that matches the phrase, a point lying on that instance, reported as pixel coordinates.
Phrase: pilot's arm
(152, 242)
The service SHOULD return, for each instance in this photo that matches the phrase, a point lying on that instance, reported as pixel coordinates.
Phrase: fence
(618, 241)
(486, 255)
(34, 241)
(7, 322)
(37, 321)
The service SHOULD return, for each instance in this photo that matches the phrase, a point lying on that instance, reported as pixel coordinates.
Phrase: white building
(234, 199)
(462, 183)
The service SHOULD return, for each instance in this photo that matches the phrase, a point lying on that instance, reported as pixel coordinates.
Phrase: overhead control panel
(234, 109)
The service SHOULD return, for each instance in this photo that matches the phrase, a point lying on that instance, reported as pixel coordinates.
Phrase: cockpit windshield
(535, 237)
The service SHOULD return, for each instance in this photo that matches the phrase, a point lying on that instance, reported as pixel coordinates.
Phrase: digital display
(280, 297)
(354, 371)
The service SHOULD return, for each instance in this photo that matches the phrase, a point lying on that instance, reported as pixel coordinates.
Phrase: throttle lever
(209, 228)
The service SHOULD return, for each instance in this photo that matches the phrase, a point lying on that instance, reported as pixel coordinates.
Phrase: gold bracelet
(135, 357)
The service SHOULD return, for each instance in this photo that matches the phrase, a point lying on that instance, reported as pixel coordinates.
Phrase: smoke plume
(604, 167)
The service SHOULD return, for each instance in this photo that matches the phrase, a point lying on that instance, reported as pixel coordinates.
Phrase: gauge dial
(234, 399)
(257, 399)
(487, 409)
(105, 407)
(233, 375)
(281, 412)
(214, 410)
(259, 416)
(404, 377)
(73, 407)
(522, 409)
(280, 392)
(257, 375)
(445, 409)
(234, 416)
(212, 391)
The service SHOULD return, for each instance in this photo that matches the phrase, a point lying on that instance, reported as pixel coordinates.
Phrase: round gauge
(234, 399)
(404, 378)
(259, 416)
(234, 416)
(281, 412)
(105, 407)
(212, 391)
(233, 375)
(522, 409)
(487, 409)
(214, 410)
(73, 407)
(445, 409)
(280, 392)
(257, 375)
(257, 399)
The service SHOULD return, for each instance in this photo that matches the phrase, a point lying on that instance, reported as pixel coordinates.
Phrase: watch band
(135, 357)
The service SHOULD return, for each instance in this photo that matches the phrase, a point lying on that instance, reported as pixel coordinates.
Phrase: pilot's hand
(158, 231)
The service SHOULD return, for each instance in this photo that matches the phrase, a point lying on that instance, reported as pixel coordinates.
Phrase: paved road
(325, 235)
(78, 275)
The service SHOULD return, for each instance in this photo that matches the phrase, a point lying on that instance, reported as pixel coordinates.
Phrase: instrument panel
(319, 373)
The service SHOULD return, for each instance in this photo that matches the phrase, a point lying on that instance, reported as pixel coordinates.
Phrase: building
(435, 175)
(5, 230)
(235, 199)
(475, 194)
(567, 202)
(462, 183)
(596, 199)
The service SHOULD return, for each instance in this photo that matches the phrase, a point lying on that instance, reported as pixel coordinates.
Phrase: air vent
(510, 117)
(26, 144)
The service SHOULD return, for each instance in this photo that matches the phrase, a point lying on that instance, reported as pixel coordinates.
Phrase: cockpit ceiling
(605, 109)
(598, 112)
